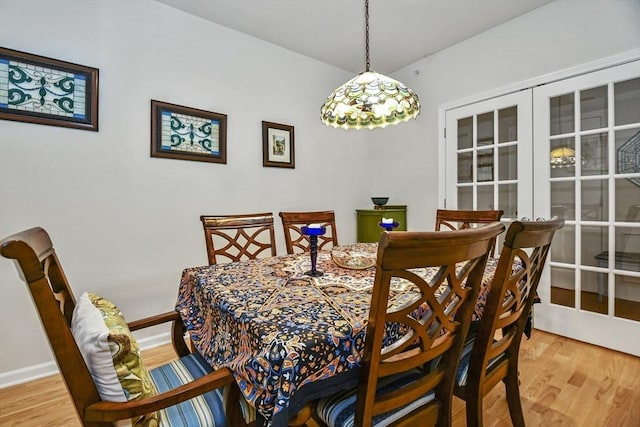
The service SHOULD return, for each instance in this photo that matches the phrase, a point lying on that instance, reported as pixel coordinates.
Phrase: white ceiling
(332, 31)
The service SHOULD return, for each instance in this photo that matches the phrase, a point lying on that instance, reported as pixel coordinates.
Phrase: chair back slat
(231, 238)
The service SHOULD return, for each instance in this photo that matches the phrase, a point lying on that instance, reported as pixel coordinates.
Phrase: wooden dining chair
(99, 358)
(491, 351)
(296, 242)
(413, 343)
(237, 237)
(448, 219)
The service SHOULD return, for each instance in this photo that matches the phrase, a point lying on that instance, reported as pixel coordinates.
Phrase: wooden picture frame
(185, 133)
(47, 91)
(278, 145)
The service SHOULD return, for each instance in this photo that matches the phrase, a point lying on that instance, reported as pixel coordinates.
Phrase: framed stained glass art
(47, 91)
(185, 133)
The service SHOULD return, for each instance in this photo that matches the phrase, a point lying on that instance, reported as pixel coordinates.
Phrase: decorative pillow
(111, 353)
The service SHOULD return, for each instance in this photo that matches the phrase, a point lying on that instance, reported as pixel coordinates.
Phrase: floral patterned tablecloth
(279, 329)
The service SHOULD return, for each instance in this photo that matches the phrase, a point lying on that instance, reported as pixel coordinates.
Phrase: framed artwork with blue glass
(179, 132)
(47, 91)
(278, 145)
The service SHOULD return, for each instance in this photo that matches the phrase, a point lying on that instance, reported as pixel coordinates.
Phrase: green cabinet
(368, 221)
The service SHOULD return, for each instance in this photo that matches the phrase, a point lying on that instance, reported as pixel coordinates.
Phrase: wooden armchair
(296, 241)
(197, 391)
(490, 354)
(447, 219)
(237, 237)
(409, 381)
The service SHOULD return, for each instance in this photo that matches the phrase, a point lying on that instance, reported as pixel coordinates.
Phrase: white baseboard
(27, 374)
(31, 373)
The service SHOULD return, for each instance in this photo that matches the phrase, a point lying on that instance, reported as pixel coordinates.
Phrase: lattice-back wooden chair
(237, 237)
(92, 329)
(491, 351)
(447, 219)
(414, 341)
(296, 242)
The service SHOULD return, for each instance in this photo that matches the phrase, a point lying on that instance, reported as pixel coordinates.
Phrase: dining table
(289, 337)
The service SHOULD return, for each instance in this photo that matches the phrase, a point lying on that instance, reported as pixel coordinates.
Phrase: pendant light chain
(366, 31)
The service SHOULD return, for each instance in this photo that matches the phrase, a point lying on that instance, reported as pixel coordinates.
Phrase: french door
(569, 148)
(488, 156)
(587, 169)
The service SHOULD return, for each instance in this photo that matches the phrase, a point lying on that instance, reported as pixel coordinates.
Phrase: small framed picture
(185, 133)
(47, 91)
(277, 145)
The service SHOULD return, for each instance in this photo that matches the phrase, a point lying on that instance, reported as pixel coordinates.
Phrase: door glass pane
(627, 101)
(485, 165)
(563, 286)
(627, 200)
(627, 304)
(485, 197)
(595, 200)
(485, 129)
(562, 157)
(628, 152)
(465, 198)
(465, 133)
(508, 200)
(508, 124)
(508, 163)
(593, 108)
(594, 154)
(563, 245)
(594, 246)
(593, 295)
(563, 199)
(628, 248)
(465, 167)
(561, 114)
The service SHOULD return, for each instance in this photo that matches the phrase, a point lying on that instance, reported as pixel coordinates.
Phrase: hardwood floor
(564, 383)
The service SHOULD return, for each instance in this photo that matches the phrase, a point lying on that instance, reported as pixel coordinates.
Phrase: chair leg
(511, 382)
(473, 403)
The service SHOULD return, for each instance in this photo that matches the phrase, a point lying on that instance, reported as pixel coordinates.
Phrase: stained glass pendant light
(369, 100)
(562, 157)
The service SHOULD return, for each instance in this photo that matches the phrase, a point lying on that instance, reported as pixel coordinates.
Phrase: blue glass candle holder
(389, 226)
(313, 233)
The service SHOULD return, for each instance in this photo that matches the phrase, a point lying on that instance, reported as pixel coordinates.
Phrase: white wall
(126, 224)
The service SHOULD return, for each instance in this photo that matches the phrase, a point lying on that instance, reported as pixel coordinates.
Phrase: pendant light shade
(369, 100)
